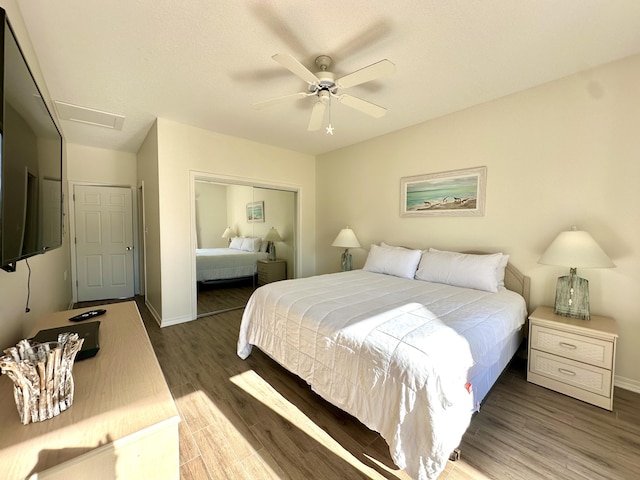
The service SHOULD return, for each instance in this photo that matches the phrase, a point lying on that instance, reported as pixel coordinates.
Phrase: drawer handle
(567, 372)
(568, 345)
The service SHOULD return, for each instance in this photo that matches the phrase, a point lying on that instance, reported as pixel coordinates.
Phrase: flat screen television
(30, 161)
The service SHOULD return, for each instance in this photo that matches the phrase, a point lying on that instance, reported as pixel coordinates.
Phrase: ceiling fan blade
(362, 105)
(317, 116)
(275, 100)
(295, 67)
(367, 74)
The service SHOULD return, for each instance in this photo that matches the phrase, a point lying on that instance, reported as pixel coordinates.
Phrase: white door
(104, 242)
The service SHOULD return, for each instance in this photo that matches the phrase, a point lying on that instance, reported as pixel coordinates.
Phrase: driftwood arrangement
(42, 376)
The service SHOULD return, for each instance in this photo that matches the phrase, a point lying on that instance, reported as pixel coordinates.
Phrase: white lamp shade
(576, 249)
(272, 236)
(229, 233)
(346, 239)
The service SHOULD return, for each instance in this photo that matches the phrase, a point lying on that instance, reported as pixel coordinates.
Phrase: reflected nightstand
(271, 271)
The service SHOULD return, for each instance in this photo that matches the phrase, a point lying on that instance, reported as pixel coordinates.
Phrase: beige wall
(148, 177)
(561, 154)
(182, 150)
(101, 166)
(211, 214)
(50, 291)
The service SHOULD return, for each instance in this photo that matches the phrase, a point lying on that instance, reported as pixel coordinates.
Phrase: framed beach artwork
(454, 193)
(255, 212)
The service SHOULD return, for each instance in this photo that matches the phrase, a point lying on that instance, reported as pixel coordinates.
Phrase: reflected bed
(220, 264)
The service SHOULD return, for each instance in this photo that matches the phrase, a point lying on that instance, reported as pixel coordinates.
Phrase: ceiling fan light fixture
(324, 85)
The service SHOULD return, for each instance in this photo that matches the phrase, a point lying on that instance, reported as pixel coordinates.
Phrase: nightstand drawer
(576, 347)
(568, 372)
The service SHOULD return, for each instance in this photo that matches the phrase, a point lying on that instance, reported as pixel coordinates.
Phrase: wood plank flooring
(216, 297)
(254, 420)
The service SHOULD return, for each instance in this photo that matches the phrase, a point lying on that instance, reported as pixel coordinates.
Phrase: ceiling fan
(325, 86)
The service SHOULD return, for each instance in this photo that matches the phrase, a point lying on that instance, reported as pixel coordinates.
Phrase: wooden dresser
(572, 356)
(123, 422)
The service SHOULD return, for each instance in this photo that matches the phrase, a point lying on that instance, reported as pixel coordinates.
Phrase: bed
(224, 264)
(409, 346)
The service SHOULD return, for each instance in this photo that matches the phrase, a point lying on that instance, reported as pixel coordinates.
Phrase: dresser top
(118, 392)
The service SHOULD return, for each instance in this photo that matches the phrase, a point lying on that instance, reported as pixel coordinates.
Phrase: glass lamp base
(345, 261)
(572, 297)
(272, 251)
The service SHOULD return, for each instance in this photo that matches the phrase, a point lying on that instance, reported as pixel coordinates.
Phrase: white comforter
(393, 352)
(226, 263)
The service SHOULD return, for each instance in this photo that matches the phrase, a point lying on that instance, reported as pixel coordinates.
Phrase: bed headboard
(515, 281)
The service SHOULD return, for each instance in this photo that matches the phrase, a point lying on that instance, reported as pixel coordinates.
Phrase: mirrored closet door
(245, 237)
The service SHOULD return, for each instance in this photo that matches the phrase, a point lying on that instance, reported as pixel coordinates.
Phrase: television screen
(30, 160)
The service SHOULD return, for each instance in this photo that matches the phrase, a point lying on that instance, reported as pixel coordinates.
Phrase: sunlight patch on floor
(262, 391)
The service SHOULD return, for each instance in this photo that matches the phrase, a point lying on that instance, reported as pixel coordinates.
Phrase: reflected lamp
(574, 249)
(272, 236)
(346, 239)
(229, 233)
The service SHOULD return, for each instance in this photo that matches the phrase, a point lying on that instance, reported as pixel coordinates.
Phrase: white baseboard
(166, 322)
(153, 312)
(627, 384)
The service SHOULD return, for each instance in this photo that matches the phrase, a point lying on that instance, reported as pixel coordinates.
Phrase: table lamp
(272, 236)
(574, 249)
(229, 233)
(346, 239)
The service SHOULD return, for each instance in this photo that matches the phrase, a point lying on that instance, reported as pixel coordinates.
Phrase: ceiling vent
(88, 116)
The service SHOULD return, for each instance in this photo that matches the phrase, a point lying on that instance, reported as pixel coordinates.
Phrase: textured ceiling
(203, 62)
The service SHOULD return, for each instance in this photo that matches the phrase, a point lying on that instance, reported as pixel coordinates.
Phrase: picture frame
(452, 193)
(255, 212)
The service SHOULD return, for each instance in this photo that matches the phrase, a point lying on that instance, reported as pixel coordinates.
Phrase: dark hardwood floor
(216, 297)
(254, 420)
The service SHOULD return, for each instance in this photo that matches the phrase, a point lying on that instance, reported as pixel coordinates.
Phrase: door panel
(104, 242)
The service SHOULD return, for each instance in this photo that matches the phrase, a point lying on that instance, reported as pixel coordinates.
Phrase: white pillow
(236, 242)
(500, 270)
(400, 262)
(386, 245)
(460, 269)
(251, 244)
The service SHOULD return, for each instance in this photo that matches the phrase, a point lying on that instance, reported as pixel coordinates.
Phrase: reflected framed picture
(452, 193)
(255, 212)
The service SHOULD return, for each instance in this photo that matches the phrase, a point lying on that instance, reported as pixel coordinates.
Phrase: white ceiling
(203, 62)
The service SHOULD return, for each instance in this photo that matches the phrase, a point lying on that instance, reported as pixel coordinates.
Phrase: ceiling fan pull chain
(329, 127)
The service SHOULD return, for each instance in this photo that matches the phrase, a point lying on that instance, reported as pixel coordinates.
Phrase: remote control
(88, 315)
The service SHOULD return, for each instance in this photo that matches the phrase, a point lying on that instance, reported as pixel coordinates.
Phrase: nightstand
(574, 357)
(271, 271)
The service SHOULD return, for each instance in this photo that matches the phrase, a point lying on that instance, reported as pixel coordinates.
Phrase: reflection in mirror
(224, 272)
(279, 215)
(232, 256)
